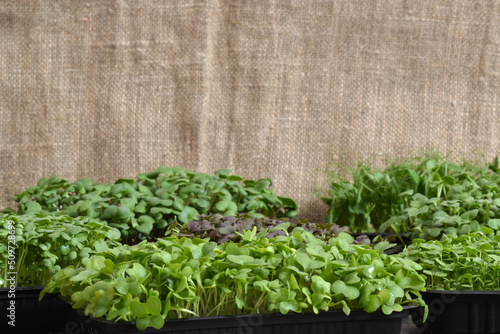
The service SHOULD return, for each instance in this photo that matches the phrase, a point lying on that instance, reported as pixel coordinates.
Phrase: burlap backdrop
(279, 89)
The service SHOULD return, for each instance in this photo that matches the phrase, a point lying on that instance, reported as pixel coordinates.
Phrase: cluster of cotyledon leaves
(467, 262)
(43, 245)
(190, 277)
(141, 209)
(389, 200)
(462, 205)
(222, 229)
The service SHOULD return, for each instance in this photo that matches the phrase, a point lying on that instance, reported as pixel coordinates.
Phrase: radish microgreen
(142, 208)
(43, 245)
(467, 262)
(190, 277)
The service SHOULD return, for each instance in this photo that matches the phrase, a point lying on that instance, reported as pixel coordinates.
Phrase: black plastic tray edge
(24, 289)
(51, 314)
(221, 322)
(470, 320)
(372, 235)
(26, 292)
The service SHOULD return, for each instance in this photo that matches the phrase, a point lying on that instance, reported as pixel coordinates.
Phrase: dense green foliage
(190, 277)
(423, 197)
(468, 262)
(36, 247)
(142, 208)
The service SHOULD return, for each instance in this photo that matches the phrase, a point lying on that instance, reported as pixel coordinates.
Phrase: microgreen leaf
(240, 259)
(165, 195)
(179, 277)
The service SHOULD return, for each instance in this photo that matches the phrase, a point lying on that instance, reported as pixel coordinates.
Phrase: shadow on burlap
(279, 89)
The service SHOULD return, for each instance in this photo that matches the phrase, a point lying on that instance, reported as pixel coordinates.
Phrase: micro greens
(191, 277)
(382, 199)
(467, 262)
(462, 204)
(141, 209)
(222, 229)
(44, 245)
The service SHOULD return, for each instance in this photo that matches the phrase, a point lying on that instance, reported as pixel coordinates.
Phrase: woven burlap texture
(279, 89)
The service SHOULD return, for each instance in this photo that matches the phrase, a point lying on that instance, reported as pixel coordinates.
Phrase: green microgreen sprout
(43, 245)
(179, 277)
(423, 197)
(142, 208)
(466, 262)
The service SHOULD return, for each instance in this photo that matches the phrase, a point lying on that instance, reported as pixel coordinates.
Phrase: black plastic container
(393, 237)
(50, 315)
(322, 323)
(400, 240)
(457, 312)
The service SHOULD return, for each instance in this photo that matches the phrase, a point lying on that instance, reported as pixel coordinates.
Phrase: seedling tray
(456, 312)
(322, 323)
(50, 315)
